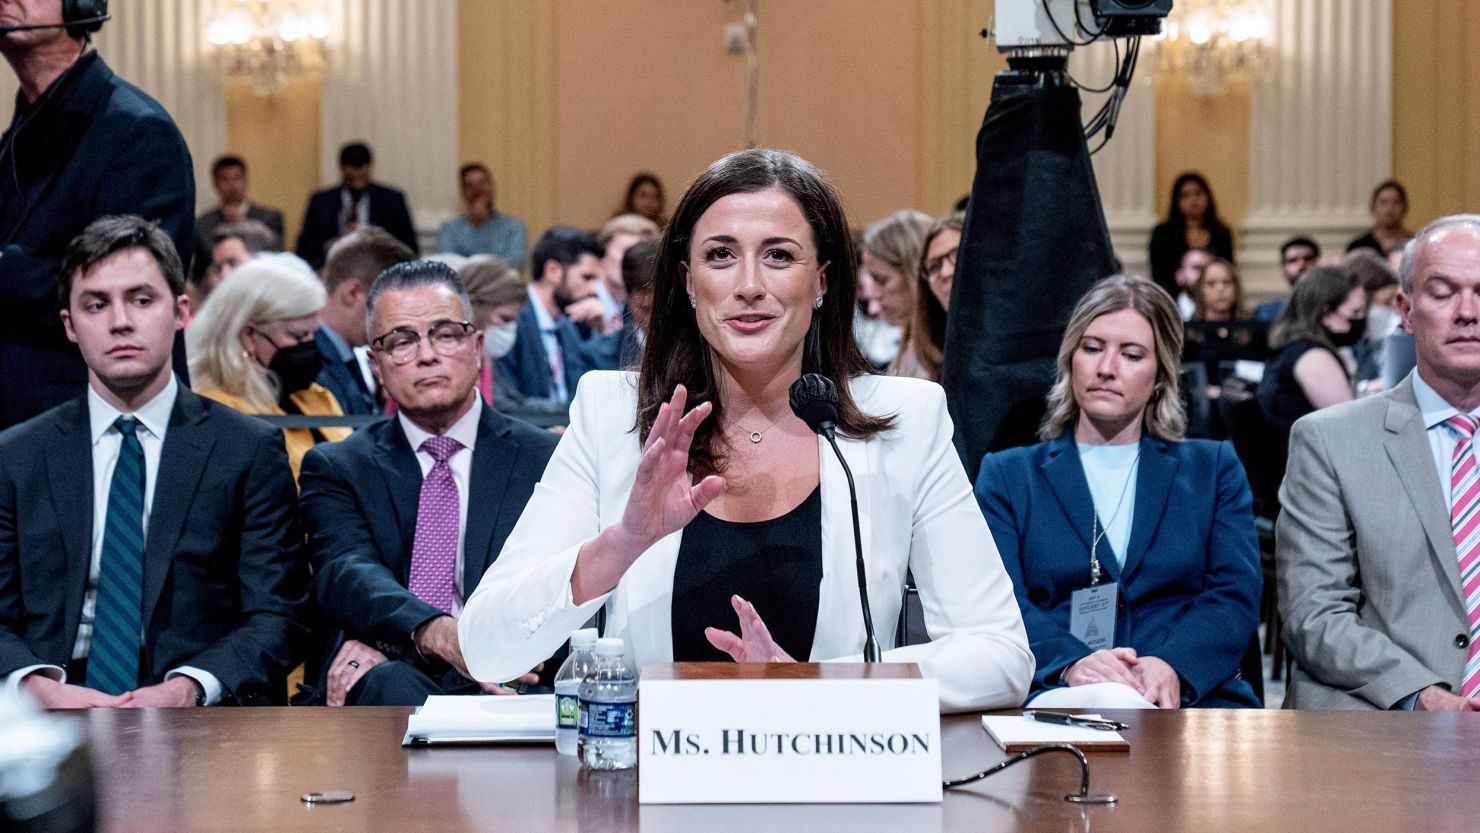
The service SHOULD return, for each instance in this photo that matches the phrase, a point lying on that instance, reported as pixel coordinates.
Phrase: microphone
(814, 399)
(87, 21)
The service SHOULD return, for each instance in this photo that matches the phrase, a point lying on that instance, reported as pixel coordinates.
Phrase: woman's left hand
(754, 644)
(1163, 686)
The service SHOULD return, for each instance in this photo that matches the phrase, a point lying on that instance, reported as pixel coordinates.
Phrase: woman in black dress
(1192, 223)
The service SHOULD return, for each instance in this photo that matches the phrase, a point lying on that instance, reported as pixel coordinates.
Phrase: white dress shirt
(107, 442)
(362, 207)
(553, 353)
(465, 431)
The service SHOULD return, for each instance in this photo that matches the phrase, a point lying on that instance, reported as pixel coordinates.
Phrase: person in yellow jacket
(252, 348)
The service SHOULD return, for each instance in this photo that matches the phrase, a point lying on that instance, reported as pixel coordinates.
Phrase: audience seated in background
(1389, 208)
(678, 554)
(356, 201)
(1114, 501)
(893, 249)
(1296, 255)
(618, 235)
(252, 348)
(229, 176)
(933, 293)
(1377, 543)
(206, 608)
(877, 337)
(92, 145)
(637, 280)
(351, 266)
(1192, 223)
(1188, 272)
(645, 198)
(1218, 292)
(404, 517)
(561, 332)
(482, 229)
(498, 296)
(233, 244)
(1327, 311)
(1380, 283)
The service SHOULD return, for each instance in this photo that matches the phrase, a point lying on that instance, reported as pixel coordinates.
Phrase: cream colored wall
(278, 137)
(648, 85)
(565, 101)
(1436, 106)
(1208, 135)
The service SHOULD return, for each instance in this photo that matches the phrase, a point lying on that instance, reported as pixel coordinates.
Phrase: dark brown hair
(1200, 308)
(928, 330)
(677, 352)
(108, 236)
(1320, 290)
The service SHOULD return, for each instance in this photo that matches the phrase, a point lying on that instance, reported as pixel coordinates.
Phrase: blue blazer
(354, 398)
(528, 366)
(1190, 587)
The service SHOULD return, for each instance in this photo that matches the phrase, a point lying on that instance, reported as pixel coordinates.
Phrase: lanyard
(1097, 531)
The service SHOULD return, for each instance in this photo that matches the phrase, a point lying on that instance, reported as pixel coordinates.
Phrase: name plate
(794, 733)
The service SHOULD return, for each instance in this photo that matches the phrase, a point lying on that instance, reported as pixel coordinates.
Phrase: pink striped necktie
(1464, 519)
(434, 548)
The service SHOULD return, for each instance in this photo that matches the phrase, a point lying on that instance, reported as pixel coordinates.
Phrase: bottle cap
(583, 638)
(609, 646)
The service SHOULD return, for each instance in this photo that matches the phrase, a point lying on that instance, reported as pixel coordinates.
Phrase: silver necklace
(1098, 530)
(757, 436)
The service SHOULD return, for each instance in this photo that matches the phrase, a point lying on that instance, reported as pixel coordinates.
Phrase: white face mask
(498, 340)
(1381, 322)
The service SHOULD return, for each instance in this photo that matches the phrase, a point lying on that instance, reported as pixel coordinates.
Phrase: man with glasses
(396, 544)
(1296, 255)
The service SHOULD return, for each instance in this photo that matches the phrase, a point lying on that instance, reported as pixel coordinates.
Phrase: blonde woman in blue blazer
(723, 531)
(1114, 498)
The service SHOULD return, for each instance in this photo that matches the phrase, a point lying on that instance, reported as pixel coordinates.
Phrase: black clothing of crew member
(92, 145)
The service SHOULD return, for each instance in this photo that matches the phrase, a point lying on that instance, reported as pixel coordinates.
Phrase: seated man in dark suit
(355, 202)
(150, 548)
(406, 515)
(562, 331)
(353, 262)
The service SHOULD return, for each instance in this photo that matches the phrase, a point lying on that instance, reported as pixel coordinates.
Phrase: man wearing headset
(82, 144)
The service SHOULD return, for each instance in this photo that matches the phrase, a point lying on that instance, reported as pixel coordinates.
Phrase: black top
(775, 565)
(1169, 243)
(1280, 395)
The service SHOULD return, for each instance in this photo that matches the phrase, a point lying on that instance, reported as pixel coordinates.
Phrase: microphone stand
(871, 652)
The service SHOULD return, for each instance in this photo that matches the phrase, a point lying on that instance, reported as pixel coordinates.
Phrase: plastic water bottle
(608, 719)
(568, 679)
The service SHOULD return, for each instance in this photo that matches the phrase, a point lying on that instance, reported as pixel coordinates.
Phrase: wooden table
(242, 770)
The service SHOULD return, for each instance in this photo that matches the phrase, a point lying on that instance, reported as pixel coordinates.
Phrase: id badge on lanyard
(1092, 608)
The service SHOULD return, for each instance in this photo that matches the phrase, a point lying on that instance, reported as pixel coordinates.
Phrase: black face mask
(1352, 335)
(297, 366)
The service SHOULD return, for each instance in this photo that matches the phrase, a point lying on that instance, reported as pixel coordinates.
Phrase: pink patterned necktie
(434, 550)
(1464, 519)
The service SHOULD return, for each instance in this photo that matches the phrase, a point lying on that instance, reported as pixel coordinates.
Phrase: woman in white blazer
(665, 522)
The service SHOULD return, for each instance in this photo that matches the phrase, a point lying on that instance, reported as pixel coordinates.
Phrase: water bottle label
(608, 720)
(566, 707)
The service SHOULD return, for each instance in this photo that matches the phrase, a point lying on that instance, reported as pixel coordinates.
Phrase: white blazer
(917, 512)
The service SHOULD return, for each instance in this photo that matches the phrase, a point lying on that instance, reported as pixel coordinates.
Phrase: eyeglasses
(935, 265)
(403, 343)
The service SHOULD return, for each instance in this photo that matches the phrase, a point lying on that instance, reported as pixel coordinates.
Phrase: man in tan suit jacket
(1369, 585)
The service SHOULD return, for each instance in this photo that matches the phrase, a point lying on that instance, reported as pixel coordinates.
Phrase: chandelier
(1211, 43)
(269, 43)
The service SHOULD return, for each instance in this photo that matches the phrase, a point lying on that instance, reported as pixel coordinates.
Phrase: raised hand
(754, 644)
(662, 501)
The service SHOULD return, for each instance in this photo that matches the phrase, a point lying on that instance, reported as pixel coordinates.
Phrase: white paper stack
(1015, 733)
(525, 718)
